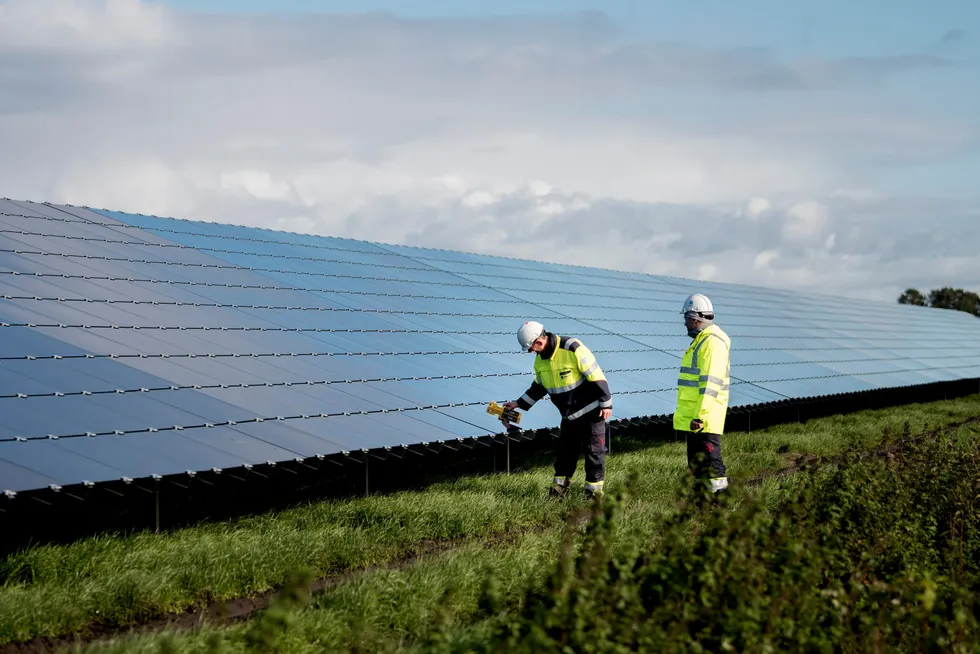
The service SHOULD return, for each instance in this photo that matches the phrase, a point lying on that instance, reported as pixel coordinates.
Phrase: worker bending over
(568, 372)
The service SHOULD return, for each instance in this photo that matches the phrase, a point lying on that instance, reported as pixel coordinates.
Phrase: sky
(822, 146)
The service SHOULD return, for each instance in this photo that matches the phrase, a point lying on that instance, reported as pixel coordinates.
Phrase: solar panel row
(133, 346)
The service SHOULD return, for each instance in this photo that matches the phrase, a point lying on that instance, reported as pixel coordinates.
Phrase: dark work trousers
(586, 436)
(704, 454)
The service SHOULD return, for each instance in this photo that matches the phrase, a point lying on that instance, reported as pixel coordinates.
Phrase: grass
(853, 560)
(387, 610)
(123, 580)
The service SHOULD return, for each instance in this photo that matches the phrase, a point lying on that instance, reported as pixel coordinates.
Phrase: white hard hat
(699, 304)
(529, 332)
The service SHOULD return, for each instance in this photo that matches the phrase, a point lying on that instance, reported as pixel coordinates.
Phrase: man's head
(532, 336)
(698, 313)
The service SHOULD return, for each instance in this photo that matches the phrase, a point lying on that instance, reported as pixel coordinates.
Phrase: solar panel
(135, 346)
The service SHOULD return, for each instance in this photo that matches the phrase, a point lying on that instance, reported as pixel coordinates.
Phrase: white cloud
(755, 207)
(121, 181)
(478, 199)
(539, 188)
(257, 183)
(805, 221)
(764, 258)
(493, 136)
(84, 26)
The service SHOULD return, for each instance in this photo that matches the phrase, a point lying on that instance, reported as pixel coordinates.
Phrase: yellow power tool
(510, 414)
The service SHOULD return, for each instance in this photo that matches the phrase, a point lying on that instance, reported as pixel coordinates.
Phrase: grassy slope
(55, 590)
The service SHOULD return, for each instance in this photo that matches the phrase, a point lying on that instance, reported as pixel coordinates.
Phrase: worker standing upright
(702, 392)
(567, 371)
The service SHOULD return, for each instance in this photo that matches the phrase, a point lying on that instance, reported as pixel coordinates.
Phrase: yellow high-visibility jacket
(568, 372)
(702, 388)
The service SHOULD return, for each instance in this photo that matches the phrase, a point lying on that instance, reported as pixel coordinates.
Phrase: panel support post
(367, 487)
(156, 501)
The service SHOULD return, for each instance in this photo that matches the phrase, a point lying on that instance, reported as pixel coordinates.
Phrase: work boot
(720, 491)
(559, 487)
(593, 490)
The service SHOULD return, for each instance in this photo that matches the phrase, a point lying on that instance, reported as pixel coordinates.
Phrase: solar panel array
(134, 346)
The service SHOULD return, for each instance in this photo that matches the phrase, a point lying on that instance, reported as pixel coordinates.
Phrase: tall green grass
(469, 599)
(57, 590)
(879, 554)
(390, 609)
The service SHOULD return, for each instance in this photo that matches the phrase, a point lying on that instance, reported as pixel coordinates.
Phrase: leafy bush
(876, 552)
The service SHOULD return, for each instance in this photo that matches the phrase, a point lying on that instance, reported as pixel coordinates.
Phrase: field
(872, 514)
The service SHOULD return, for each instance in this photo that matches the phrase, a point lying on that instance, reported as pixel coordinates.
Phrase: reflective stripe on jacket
(702, 387)
(568, 372)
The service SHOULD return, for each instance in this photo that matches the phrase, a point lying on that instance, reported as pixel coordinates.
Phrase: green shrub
(877, 552)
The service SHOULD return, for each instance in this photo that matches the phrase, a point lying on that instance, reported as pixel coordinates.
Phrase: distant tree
(955, 298)
(912, 296)
(943, 298)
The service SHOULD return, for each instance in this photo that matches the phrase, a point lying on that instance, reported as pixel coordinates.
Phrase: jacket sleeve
(532, 394)
(713, 382)
(589, 368)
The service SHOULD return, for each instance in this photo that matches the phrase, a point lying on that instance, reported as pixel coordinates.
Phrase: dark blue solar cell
(74, 414)
(19, 342)
(442, 391)
(237, 447)
(405, 428)
(359, 432)
(747, 394)
(50, 459)
(622, 382)
(16, 478)
(305, 437)
(19, 208)
(13, 383)
(133, 456)
(71, 375)
(35, 210)
(449, 426)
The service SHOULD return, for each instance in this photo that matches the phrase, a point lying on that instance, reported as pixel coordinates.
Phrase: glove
(508, 405)
(697, 425)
